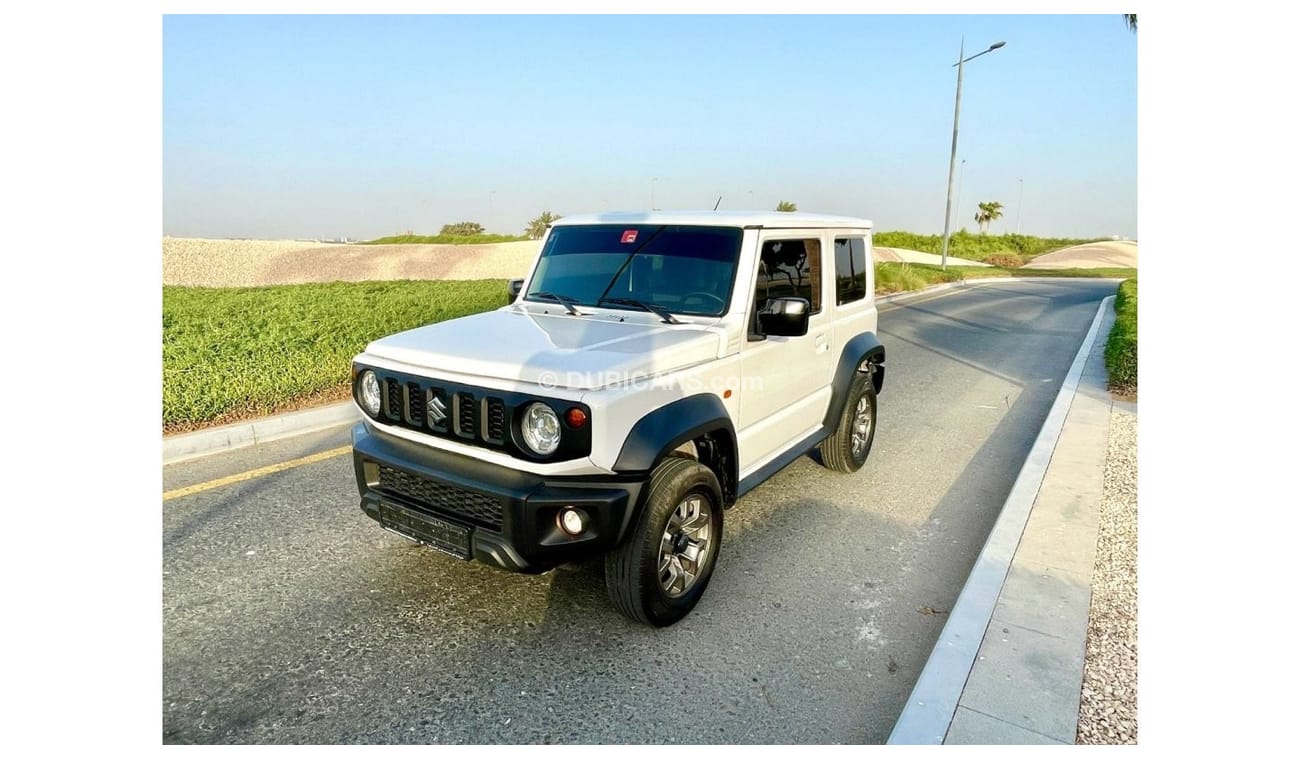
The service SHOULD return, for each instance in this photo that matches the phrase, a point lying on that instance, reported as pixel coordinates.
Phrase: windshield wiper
(628, 260)
(568, 303)
(659, 311)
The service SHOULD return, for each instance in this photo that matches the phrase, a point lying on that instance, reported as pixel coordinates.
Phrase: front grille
(467, 414)
(496, 420)
(394, 398)
(415, 405)
(466, 417)
(476, 507)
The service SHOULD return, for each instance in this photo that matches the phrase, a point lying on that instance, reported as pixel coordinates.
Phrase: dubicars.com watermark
(718, 384)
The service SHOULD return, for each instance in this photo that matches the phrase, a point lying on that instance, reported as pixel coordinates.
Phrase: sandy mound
(236, 263)
(918, 257)
(1116, 253)
(353, 263)
(222, 263)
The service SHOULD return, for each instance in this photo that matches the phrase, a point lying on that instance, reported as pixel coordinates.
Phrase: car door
(786, 380)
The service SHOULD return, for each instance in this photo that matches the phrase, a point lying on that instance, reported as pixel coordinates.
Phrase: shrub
(462, 229)
(1122, 345)
(976, 247)
(1005, 260)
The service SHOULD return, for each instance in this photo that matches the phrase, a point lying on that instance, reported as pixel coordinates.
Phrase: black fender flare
(863, 353)
(655, 435)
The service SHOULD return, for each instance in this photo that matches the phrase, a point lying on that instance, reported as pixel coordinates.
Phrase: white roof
(769, 219)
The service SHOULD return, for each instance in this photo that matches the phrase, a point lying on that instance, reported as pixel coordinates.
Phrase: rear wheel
(847, 448)
(660, 571)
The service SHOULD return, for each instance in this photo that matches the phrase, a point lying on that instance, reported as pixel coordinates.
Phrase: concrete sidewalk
(1008, 666)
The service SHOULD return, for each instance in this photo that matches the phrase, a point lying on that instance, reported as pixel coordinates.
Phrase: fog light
(572, 521)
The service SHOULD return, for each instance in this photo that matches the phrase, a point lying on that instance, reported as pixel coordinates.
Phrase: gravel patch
(243, 263)
(1108, 707)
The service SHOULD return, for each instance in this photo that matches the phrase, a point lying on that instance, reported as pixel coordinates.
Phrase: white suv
(652, 369)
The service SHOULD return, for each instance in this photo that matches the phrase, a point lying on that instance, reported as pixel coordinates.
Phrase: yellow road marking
(259, 472)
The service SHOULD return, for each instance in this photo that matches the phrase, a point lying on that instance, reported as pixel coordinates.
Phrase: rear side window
(850, 270)
(790, 268)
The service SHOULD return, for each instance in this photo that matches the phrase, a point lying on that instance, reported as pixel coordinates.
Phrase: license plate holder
(435, 533)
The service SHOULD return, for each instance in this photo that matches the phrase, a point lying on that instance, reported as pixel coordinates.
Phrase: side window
(850, 270)
(790, 268)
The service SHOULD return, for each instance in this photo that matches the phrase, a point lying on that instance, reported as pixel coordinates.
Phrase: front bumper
(499, 515)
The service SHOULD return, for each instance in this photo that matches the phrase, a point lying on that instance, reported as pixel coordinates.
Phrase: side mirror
(515, 287)
(786, 317)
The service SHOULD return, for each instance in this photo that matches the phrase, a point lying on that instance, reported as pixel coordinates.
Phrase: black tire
(838, 450)
(632, 570)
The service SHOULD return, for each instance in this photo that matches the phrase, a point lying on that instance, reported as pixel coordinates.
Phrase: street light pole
(952, 159)
(961, 175)
(1020, 204)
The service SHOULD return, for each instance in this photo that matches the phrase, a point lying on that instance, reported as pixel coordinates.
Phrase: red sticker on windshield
(629, 236)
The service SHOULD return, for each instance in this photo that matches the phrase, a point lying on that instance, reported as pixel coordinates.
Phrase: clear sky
(361, 126)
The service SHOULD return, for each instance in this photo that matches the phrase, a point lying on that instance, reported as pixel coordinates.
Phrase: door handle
(822, 345)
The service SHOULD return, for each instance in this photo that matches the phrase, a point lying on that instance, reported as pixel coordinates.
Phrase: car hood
(551, 350)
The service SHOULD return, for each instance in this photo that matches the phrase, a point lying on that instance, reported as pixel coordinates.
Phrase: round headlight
(370, 398)
(541, 429)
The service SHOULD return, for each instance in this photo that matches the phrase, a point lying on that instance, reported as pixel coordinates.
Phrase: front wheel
(660, 571)
(846, 449)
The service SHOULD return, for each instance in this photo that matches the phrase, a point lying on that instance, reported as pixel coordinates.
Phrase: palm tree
(989, 210)
(537, 227)
(786, 206)
(1132, 20)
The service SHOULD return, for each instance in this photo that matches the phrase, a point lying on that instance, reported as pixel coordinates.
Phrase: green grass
(1103, 272)
(975, 247)
(894, 277)
(1122, 345)
(447, 239)
(230, 353)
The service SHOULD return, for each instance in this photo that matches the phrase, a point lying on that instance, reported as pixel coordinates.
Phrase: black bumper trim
(529, 540)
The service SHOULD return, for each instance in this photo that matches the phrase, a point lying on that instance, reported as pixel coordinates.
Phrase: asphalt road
(290, 617)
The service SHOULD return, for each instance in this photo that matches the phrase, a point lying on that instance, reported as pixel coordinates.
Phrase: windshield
(682, 269)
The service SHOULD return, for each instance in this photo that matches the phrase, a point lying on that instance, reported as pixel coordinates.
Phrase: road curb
(933, 702)
(179, 448)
